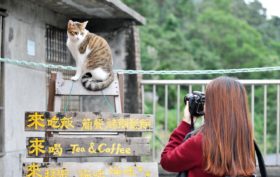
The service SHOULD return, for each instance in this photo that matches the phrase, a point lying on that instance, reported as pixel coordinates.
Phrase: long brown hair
(228, 147)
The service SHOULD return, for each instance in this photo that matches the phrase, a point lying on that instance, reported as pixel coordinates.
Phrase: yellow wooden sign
(87, 121)
(91, 169)
(87, 146)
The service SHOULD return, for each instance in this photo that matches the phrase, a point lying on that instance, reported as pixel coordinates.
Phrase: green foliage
(217, 34)
(190, 34)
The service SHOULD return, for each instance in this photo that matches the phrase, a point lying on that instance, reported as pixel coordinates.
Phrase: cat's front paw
(75, 78)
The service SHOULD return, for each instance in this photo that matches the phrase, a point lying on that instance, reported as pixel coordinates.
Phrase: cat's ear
(70, 23)
(85, 24)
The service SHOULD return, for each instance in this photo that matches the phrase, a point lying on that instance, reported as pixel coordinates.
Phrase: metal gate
(2, 14)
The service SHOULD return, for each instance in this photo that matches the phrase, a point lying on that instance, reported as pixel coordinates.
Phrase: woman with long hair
(224, 145)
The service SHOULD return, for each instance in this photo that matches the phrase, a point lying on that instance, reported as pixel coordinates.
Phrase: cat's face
(76, 31)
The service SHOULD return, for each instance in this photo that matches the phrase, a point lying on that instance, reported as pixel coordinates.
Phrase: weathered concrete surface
(133, 61)
(25, 89)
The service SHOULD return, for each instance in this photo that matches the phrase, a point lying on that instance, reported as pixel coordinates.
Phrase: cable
(150, 72)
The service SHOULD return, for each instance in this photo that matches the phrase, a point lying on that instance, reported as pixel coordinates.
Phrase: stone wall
(24, 88)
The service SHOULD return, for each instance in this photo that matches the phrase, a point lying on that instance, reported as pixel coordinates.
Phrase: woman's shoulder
(192, 148)
(196, 139)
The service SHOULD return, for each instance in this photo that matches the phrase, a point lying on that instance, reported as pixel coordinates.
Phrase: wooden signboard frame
(66, 135)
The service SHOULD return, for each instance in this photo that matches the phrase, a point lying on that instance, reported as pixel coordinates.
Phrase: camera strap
(260, 160)
(192, 123)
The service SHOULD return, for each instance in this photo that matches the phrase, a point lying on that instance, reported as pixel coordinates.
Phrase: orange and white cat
(93, 57)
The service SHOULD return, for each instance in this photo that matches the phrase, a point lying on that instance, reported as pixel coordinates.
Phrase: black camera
(196, 103)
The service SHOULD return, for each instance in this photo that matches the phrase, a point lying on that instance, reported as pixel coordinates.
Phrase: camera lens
(186, 98)
(196, 101)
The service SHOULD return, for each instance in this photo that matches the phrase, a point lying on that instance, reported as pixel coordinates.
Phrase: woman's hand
(187, 115)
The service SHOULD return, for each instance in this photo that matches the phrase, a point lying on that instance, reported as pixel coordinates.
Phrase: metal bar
(253, 107)
(143, 98)
(56, 46)
(190, 88)
(47, 41)
(68, 61)
(154, 129)
(2, 121)
(62, 48)
(1, 33)
(51, 45)
(205, 82)
(265, 121)
(277, 125)
(178, 104)
(203, 88)
(166, 111)
(59, 47)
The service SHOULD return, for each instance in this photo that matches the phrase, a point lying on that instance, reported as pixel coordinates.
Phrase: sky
(272, 7)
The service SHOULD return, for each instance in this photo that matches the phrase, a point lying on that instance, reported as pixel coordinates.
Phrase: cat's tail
(92, 85)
